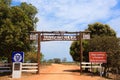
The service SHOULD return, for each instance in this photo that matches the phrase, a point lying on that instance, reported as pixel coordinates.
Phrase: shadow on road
(83, 72)
(77, 70)
(5, 74)
(60, 74)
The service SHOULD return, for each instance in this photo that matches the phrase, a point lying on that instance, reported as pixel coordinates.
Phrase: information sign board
(99, 57)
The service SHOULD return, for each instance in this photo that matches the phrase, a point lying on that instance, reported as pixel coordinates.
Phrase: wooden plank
(5, 64)
(90, 67)
(29, 66)
(85, 63)
(52, 32)
(29, 70)
(4, 67)
(89, 63)
(86, 66)
(5, 70)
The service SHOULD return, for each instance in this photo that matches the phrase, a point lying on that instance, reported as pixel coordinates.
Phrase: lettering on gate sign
(58, 37)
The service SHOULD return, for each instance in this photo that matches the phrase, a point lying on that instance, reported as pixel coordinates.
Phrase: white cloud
(68, 14)
(115, 23)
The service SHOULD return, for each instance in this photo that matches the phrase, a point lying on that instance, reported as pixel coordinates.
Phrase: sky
(72, 15)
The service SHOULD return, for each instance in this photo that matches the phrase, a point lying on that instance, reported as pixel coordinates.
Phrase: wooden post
(81, 52)
(38, 53)
(91, 67)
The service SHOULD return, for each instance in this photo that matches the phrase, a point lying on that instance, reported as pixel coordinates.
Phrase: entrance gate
(59, 36)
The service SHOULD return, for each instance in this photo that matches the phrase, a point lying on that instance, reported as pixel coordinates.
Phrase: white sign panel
(86, 36)
(33, 37)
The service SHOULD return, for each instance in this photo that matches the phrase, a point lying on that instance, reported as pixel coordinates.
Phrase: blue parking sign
(18, 56)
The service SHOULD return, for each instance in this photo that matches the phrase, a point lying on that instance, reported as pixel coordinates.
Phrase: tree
(75, 51)
(97, 29)
(64, 60)
(57, 60)
(7, 2)
(15, 26)
(31, 11)
(32, 57)
(50, 61)
(107, 44)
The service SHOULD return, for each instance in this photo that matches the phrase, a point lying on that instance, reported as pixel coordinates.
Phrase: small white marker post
(17, 69)
(101, 73)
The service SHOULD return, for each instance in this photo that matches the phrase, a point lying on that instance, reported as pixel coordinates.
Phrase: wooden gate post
(38, 53)
(81, 52)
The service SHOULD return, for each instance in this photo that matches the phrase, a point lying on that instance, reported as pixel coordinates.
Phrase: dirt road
(59, 72)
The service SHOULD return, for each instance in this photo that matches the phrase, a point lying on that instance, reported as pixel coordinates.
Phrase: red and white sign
(99, 57)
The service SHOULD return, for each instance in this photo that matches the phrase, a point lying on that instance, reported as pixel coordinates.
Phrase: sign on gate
(99, 57)
(18, 57)
(33, 37)
(86, 36)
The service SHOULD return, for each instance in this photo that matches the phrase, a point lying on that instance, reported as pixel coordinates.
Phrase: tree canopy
(99, 29)
(15, 24)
